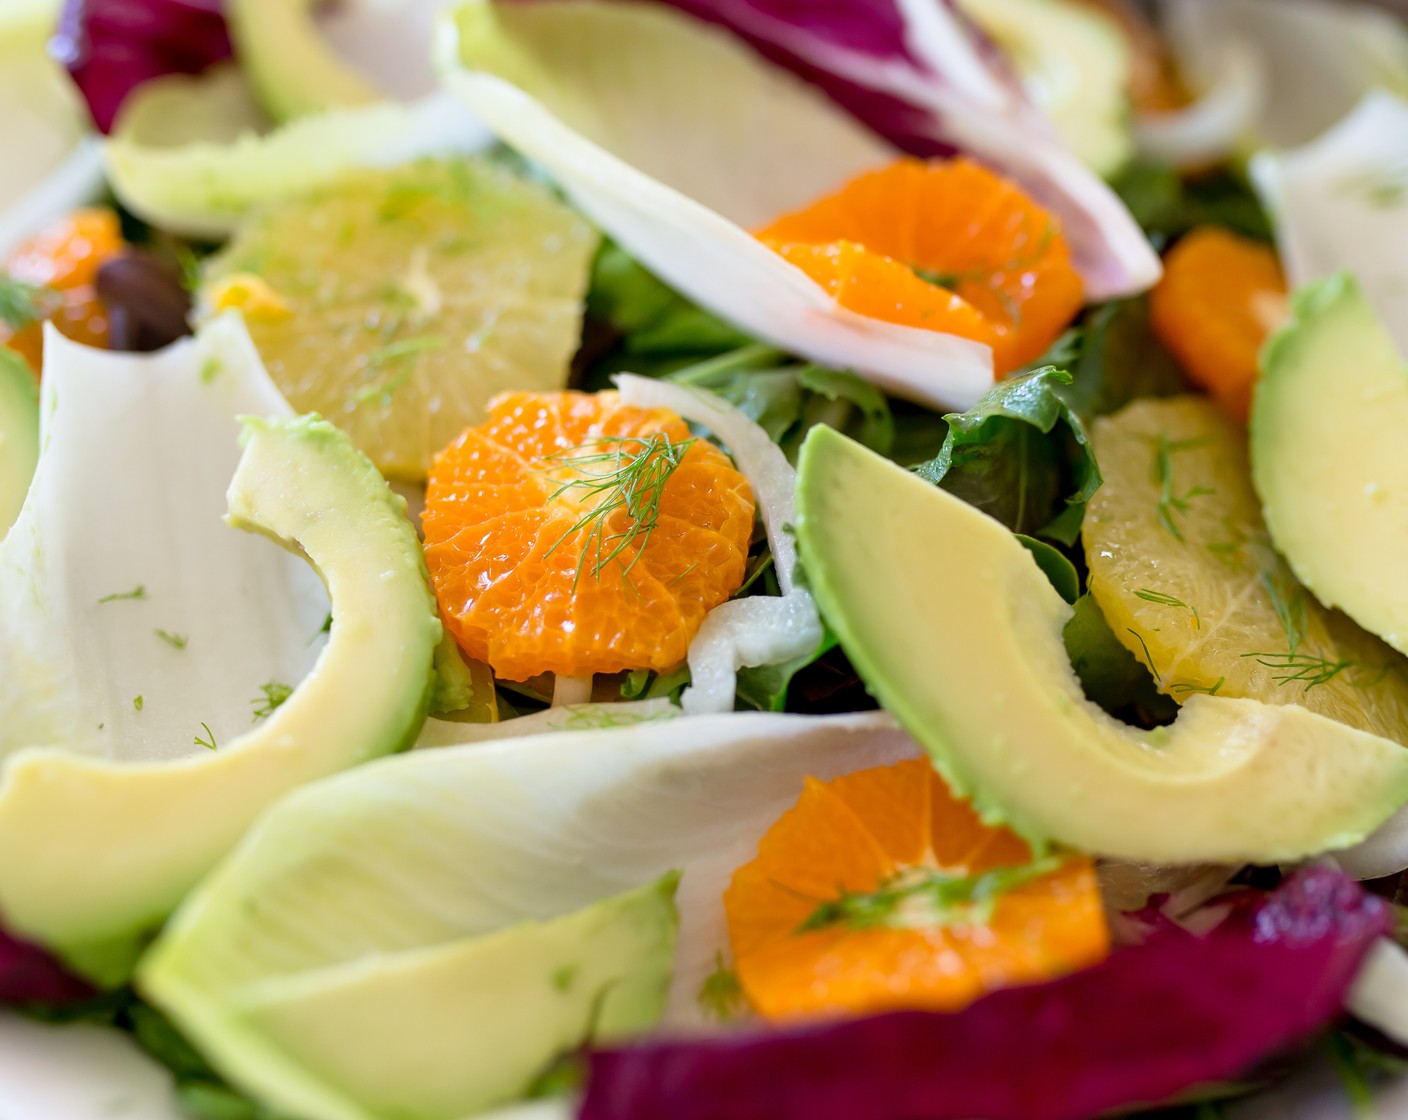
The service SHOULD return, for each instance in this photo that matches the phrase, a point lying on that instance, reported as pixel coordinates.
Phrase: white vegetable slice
(675, 139)
(571, 717)
(52, 165)
(1221, 117)
(1341, 203)
(187, 154)
(758, 630)
(145, 645)
(1379, 995)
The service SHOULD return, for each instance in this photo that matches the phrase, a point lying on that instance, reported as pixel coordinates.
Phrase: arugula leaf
(1021, 455)
(765, 687)
(22, 304)
(1114, 358)
(1057, 566)
(1112, 676)
(1167, 206)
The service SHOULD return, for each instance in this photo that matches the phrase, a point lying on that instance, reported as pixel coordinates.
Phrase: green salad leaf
(1021, 455)
(1114, 358)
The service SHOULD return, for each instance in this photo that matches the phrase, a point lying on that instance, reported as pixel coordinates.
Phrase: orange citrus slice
(880, 890)
(1220, 297)
(573, 534)
(943, 245)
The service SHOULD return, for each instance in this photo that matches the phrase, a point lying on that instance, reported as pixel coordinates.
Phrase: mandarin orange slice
(943, 245)
(576, 535)
(1220, 297)
(880, 890)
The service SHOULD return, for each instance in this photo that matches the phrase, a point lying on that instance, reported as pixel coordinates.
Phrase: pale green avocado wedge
(19, 434)
(1327, 430)
(957, 632)
(97, 848)
(293, 69)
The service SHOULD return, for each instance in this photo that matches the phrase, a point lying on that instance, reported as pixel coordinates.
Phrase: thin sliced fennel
(343, 892)
(1231, 83)
(1341, 203)
(676, 139)
(52, 164)
(757, 630)
(570, 717)
(1315, 61)
(189, 154)
(1379, 996)
(152, 661)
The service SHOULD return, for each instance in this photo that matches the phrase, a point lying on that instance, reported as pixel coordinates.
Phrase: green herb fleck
(564, 977)
(137, 703)
(1293, 668)
(1187, 687)
(210, 370)
(22, 304)
(138, 592)
(209, 741)
(1165, 600)
(1169, 502)
(271, 698)
(175, 641)
(618, 474)
(721, 995)
(1148, 657)
(1290, 612)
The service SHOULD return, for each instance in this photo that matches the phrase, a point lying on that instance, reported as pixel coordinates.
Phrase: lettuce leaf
(1021, 455)
(1150, 1022)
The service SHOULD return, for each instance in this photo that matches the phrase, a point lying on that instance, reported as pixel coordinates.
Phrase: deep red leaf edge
(29, 975)
(1149, 1022)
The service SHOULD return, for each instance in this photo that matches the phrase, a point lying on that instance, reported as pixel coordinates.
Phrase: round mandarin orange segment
(1220, 297)
(65, 256)
(573, 534)
(880, 890)
(944, 245)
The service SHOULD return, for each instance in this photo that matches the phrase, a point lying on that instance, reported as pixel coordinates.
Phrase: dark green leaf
(1167, 206)
(765, 687)
(22, 304)
(1020, 455)
(877, 426)
(1112, 676)
(1115, 358)
(1059, 570)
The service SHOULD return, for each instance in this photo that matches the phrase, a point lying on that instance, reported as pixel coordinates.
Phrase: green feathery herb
(1148, 657)
(271, 697)
(1164, 600)
(175, 641)
(138, 592)
(1294, 668)
(137, 703)
(721, 995)
(1188, 687)
(618, 474)
(1290, 612)
(22, 304)
(209, 741)
(1169, 502)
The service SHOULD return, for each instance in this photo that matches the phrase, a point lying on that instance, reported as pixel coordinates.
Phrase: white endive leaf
(676, 139)
(1341, 204)
(51, 164)
(1316, 59)
(129, 500)
(1230, 97)
(188, 154)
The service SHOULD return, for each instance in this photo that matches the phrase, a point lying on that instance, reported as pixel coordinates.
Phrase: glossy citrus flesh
(572, 534)
(944, 245)
(1183, 568)
(398, 302)
(860, 841)
(1220, 297)
(65, 256)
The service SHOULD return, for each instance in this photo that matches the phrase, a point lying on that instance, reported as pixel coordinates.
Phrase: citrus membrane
(397, 302)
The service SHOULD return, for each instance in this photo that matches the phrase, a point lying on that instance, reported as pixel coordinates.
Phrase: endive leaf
(160, 676)
(676, 139)
(350, 886)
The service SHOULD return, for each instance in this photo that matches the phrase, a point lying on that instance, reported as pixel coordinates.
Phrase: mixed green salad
(837, 560)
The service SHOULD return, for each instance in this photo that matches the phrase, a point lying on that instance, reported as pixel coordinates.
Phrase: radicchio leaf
(112, 46)
(1149, 1022)
(923, 77)
(29, 975)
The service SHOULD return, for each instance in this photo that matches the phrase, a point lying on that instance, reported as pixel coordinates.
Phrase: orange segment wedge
(942, 245)
(1221, 296)
(880, 890)
(573, 534)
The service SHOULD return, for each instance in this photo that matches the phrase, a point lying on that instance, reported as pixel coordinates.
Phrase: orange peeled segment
(1221, 296)
(945, 245)
(576, 535)
(880, 890)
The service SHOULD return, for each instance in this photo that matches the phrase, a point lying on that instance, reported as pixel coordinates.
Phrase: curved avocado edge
(95, 854)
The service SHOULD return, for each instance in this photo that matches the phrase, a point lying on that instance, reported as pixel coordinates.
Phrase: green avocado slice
(1327, 426)
(19, 434)
(95, 852)
(957, 632)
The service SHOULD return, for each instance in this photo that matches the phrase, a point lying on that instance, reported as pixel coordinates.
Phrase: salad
(704, 559)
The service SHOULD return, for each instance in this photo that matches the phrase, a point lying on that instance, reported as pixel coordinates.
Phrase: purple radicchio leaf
(919, 74)
(29, 975)
(110, 47)
(1148, 1023)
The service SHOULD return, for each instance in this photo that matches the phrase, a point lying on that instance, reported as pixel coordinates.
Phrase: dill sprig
(1290, 612)
(1170, 503)
(617, 473)
(209, 741)
(1293, 668)
(175, 641)
(1165, 600)
(270, 699)
(1189, 687)
(1148, 657)
(137, 593)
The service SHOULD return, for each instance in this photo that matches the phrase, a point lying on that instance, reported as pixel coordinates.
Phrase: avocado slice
(1326, 428)
(1074, 61)
(19, 434)
(94, 851)
(292, 68)
(958, 633)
